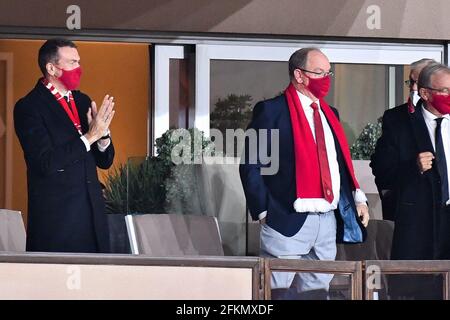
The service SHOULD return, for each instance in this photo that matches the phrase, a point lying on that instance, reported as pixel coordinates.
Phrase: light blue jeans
(316, 240)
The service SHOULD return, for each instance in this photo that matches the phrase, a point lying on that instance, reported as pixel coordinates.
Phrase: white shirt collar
(306, 101)
(60, 93)
(428, 116)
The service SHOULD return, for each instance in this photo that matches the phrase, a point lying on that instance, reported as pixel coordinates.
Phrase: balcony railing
(100, 276)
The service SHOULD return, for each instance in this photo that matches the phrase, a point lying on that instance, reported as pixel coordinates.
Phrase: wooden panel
(53, 281)
(6, 128)
(350, 268)
(400, 267)
(411, 266)
(65, 276)
(3, 113)
(313, 265)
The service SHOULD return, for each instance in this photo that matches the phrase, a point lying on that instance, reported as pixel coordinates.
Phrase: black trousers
(425, 287)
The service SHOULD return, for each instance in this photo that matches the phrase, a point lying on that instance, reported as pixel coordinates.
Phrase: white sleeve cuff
(101, 147)
(360, 197)
(262, 215)
(86, 143)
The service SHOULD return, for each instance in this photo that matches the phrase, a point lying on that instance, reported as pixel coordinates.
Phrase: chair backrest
(12, 231)
(118, 235)
(376, 247)
(375, 206)
(174, 235)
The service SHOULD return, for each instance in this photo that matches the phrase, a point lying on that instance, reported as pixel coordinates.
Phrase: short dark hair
(299, 58)
(49, 52)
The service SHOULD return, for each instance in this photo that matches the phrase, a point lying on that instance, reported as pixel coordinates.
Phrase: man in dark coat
(64, 138)
(411, 158)
(388, 197)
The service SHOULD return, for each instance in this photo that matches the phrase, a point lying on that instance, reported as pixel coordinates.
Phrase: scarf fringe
(311, 205)
(321, 205)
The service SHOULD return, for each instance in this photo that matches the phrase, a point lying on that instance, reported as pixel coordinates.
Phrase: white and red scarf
(307, 171)
(71, 111)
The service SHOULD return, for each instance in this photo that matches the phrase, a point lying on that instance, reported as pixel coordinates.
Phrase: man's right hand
(99, 121)
(262, 221)
(425, 161)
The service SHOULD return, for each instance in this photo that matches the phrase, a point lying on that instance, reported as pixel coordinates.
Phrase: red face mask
(441, 103)
(70, 78)
(319, 87)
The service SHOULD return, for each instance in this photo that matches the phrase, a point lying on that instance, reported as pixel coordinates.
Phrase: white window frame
(344, 52)
(163, 54)
(448, 52)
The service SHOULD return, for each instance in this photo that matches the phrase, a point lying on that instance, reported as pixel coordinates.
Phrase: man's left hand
(363, 213)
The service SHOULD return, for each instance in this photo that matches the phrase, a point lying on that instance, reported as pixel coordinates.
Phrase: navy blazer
(276, 193)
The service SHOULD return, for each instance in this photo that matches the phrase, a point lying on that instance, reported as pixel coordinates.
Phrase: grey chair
(376, 247)
(12, 231)
(174, 235)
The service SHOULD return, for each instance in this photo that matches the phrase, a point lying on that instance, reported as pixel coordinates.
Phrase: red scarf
(411, 107)
(71, 111)
(307, 171)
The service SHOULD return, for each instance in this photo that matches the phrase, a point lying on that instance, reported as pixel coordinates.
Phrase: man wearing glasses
(388, 197)
(314, 199)
(411, 158)
(411, 83)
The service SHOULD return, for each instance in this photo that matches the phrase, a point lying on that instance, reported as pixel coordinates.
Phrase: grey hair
(420, 64)
(299, 58)
(428, 71)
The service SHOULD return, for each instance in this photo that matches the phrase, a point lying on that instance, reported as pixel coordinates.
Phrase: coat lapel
(420, 130)
(55, 107)
(424, 144)
(81, 111)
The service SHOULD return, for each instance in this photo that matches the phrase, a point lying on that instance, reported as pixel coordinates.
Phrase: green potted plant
(364, 146)
(361, 151)
(154, 184)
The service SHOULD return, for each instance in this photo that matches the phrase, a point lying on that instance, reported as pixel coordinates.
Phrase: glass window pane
(302, 287)
(360, 92)
(236, 86)
(179, 93)
(415, 287)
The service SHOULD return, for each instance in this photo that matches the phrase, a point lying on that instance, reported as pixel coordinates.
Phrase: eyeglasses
(321, 74)
(410, 82)
(444, 91)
